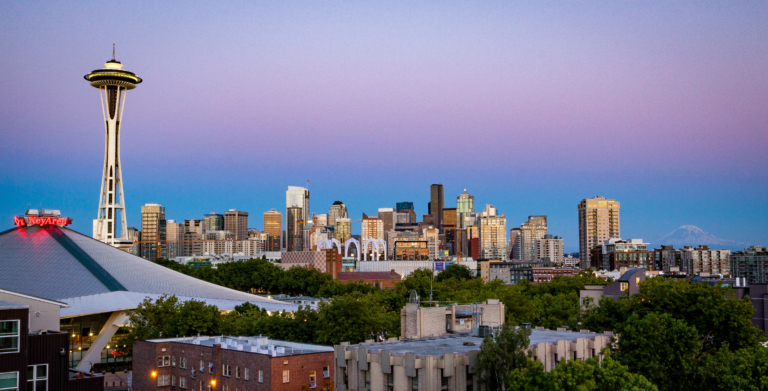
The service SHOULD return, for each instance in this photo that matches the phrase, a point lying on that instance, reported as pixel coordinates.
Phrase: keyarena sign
(22, 221)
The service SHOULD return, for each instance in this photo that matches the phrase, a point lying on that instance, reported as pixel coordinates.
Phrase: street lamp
(154, 374)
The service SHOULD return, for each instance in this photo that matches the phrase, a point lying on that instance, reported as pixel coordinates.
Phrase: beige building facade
(550, 247)
(236, 221)
(493, 234)
(531, 231)
(598, 222)
(705, 262)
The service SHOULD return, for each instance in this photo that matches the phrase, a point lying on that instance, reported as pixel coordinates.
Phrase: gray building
(752, 264)
(214, 222)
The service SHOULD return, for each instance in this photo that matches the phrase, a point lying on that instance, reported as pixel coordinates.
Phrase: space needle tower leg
(113, 83)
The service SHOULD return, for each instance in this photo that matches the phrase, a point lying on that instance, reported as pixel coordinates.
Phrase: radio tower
(113, 83)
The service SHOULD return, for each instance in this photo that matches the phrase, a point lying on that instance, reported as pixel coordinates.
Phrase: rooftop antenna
(113, 52)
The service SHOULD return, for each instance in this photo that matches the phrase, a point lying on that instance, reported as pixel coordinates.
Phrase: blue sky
(531, 106)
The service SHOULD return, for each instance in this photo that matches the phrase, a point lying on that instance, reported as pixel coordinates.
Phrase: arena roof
(92, 277)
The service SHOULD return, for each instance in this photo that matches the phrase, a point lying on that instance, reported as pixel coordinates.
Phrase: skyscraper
(236, 221)
(598, 222)
(387, 216)
(214, 222)
(113, 83)
(493, 234)
(531, 231)
(436, 204)
(407, 207)
(298, 197)
(465, 205)
(337, 211)
(449, 228)
(153, 232)
(295, 228)
(273, 226)
(343, 229)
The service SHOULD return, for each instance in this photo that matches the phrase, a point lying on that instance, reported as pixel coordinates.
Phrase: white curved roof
(93, 277)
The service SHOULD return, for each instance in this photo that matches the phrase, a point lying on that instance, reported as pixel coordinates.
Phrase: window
(9, 381)
(443, 381)
(624, 286)
(367, 377)
(326, 371)
(173, 361)
(312, 379)
(389, 384)
(173, 380)
(202, 366)
(226, 370)
(183, 382)
(261, 376)
(193, 373)
(182, 362)
(247, 374)
(415, 383)
(163, 380)
(470, 379)
(210, 367)
(37, 377)
(574, 355)
(286, 376)
(237, 372)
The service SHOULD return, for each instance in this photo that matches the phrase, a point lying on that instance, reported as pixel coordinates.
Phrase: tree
(457, 271)
(661, 348)
(501, 353)
(355, 318)
(578, 375)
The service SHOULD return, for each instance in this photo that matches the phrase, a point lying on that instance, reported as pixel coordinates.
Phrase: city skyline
(530, 127)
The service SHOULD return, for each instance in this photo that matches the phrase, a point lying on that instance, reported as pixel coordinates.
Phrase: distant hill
(691, 235)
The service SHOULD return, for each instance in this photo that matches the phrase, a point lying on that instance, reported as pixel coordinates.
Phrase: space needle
(113, 83)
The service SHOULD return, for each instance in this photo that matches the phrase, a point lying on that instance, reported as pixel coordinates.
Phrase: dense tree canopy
(674, 335)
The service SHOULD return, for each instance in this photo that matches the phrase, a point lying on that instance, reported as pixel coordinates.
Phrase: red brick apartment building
(229, 364)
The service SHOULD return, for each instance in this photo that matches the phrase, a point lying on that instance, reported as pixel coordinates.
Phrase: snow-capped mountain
(691, 235)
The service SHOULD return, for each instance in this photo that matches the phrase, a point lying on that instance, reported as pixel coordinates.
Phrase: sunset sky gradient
(530, 106)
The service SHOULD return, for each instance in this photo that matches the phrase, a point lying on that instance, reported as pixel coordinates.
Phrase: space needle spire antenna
(113, 83)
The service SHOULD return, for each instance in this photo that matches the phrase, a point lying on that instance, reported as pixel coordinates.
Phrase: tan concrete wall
(42, 315)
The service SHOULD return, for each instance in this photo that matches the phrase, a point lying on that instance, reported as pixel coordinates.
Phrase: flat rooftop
(256, 345)
(437, 346)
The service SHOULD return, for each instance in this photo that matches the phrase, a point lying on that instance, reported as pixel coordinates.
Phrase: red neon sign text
(34, 220)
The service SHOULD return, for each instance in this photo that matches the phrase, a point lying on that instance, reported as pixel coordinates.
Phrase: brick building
(229, 364)
(378, 279)
(546, 274)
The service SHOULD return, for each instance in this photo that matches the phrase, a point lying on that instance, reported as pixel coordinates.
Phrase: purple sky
(531, 106)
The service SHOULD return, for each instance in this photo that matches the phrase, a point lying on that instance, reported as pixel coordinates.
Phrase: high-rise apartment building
(174, 234)
(153, 232)
(432, 237)
(751, 264)
(320, 220)
(337, 211)
(705, 262)
(236, 221)
(407, 207)
(214, 222)
(465, 206)
(194, 226)
(516, 240)
(298, 197)
(550, 247)
(343, 229)
(436, 204)
(387, 216)
(598, 222)
(493, 234)
(373, 228)
(273, 226)
(294, 228)
(531, 231)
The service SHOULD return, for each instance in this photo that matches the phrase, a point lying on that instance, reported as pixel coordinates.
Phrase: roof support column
(93, 355)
